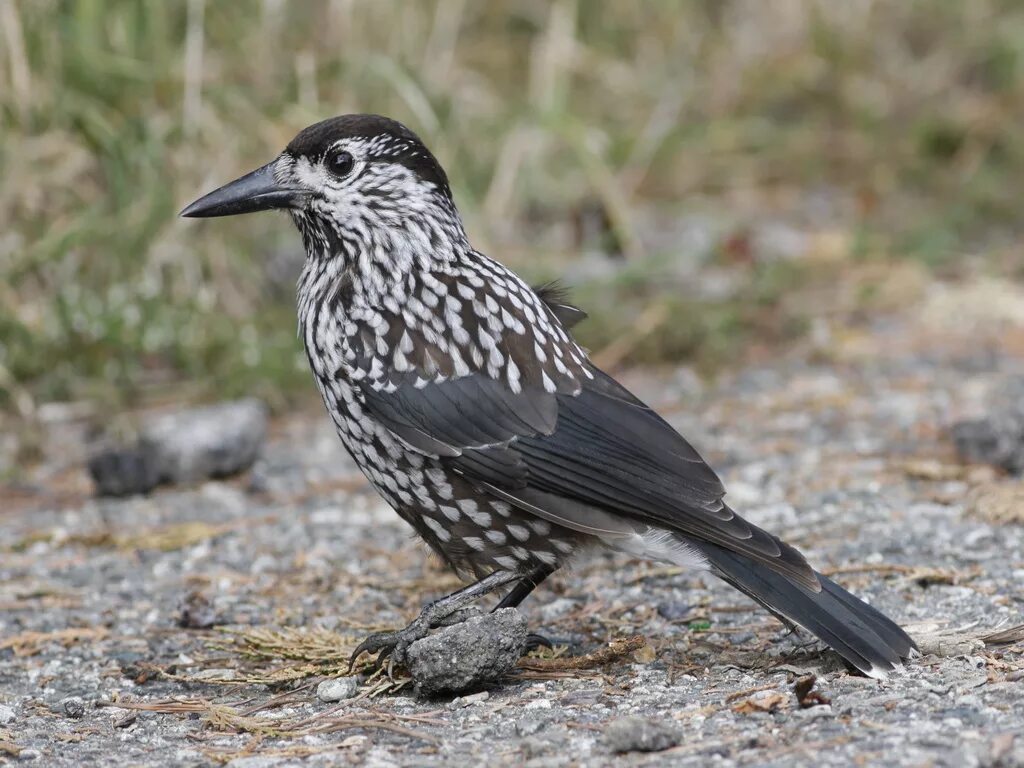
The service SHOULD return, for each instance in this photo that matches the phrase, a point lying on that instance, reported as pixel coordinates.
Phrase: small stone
(528, 726)
(459, 702)
(196, 612)
(73, 707)
(468, 655)
(338, 689)
(216, 674)
(6, 714)
(673, 610)
(125, 471)
(638, 734)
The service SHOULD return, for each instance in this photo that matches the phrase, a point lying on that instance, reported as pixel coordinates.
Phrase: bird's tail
(862, 635)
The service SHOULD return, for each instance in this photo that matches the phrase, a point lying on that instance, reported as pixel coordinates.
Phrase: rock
(215, 441)
(125, 471)
(468, 655)
(183, 447)
(992, 441)
(338, 689)
(73, 707)
(998, 438)
(638, 734)
(6, 714)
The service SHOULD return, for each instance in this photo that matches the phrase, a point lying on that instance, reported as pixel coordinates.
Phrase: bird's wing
(598, 460)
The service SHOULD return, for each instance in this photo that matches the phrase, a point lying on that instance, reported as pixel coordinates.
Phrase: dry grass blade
(167, 538)
(615, 651)
(223, 717)
(7, 745)
(618, 350)
(31, 643)
(321, 646)
(1008, 636)
(919, 573)
(1001, 503)
(315, 653)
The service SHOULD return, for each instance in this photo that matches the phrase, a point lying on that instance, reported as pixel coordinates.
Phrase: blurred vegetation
(788, 136)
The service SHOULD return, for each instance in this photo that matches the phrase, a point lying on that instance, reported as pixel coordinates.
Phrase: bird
(461, 393)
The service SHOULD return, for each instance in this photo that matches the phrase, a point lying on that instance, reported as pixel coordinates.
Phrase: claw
(535, 641)
(392, 646)
(384, 642)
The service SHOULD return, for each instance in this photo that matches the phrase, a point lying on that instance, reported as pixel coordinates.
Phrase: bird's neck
(364, 267)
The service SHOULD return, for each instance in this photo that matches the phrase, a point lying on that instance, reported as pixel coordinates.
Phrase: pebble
(338, 689)
(639, 734)
(467, 701)
(6, 714)
(73, 707)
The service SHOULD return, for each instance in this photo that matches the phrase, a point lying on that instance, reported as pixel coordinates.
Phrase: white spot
(548, 558)
(519, 532)
(549, 385)
(398, 362)
(483, 519)
(540, 527)
(512, 371)
(496, 537)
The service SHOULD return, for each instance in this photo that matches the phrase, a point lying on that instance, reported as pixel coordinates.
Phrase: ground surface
(848, 457)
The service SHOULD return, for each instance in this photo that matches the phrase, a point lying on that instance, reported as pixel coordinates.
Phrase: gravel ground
(193, 626)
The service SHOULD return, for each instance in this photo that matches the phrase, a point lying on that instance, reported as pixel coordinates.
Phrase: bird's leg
(524, 587)
(518, 593)
(393, 645)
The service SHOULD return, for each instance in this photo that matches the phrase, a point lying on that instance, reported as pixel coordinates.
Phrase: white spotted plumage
(392, 292)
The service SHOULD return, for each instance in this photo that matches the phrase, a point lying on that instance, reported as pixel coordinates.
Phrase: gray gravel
(849, 459)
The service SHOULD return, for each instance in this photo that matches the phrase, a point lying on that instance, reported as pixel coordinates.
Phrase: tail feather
(862, 635)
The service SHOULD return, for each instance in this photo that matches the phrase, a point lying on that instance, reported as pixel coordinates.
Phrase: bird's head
(355, 185)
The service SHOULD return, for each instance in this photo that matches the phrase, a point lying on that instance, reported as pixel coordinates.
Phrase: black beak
(256, 191)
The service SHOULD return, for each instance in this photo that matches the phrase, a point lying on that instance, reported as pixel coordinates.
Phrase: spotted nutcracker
(461, 394)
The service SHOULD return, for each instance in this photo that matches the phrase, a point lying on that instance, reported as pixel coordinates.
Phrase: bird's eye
(340, 163)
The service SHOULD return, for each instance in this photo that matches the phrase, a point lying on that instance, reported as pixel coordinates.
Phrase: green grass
(115, 113)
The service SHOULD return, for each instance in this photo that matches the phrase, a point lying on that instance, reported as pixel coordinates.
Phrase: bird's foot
(391, 646)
